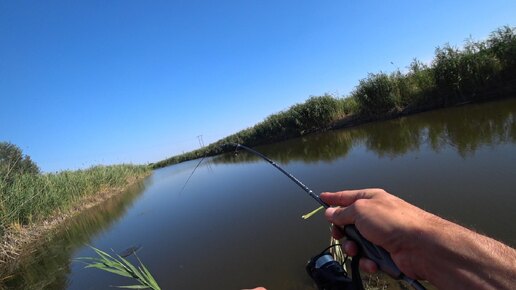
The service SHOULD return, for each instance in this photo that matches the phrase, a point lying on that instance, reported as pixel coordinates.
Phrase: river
(237, 223)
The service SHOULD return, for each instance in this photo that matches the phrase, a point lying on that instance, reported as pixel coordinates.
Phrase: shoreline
(357, 120)
(348, 121)
(19, 241)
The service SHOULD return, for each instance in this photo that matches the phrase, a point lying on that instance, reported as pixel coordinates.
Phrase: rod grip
(373, 252)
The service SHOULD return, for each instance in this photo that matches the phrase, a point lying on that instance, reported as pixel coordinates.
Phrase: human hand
(422, 245)
(383, 219)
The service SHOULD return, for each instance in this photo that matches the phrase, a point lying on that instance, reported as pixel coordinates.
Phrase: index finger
(346, 197)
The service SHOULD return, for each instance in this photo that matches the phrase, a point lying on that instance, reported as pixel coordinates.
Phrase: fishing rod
(322, 268)
(292, 177)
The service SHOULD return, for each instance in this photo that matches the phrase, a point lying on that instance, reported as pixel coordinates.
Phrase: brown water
(238, 222)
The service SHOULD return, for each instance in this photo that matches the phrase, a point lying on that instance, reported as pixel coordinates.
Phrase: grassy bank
(29, 198)
(481, 70)
(31, 201)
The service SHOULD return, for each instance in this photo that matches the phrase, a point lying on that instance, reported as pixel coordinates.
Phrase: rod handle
(373, 252)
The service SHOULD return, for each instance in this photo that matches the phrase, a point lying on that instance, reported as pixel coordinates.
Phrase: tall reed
(27, 198)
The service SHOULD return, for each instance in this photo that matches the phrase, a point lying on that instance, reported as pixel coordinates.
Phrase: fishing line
(200, 161)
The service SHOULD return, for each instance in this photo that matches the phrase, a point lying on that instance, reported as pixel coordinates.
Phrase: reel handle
(373, 252)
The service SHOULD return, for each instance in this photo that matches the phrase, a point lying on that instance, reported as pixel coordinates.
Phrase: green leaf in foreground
(310, 214)
(122, 267)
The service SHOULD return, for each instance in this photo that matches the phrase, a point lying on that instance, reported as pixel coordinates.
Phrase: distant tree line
(481, 70)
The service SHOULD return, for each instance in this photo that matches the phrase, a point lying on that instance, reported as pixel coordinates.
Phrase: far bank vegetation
(480, 71)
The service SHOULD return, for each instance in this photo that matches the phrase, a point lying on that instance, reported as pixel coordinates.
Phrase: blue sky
(102, 82)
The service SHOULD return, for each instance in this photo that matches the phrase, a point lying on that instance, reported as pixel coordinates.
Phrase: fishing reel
(329, 274)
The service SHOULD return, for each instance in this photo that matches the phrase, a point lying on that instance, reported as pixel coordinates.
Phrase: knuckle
(380, 191)
(360, 205)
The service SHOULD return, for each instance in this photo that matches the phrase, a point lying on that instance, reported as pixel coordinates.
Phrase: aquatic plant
(119, 265)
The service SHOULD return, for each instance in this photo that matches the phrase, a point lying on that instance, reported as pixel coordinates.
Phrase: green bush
(13, 162)
(375, 94)
(502, 44)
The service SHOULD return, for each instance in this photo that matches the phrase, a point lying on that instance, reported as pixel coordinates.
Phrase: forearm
(454, 257)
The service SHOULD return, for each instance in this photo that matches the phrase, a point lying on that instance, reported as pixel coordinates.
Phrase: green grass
(481, 70)
(119, 265)
(28, 198)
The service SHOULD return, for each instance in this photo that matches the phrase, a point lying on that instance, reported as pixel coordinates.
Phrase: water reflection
(464, 128)
(49, 266)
